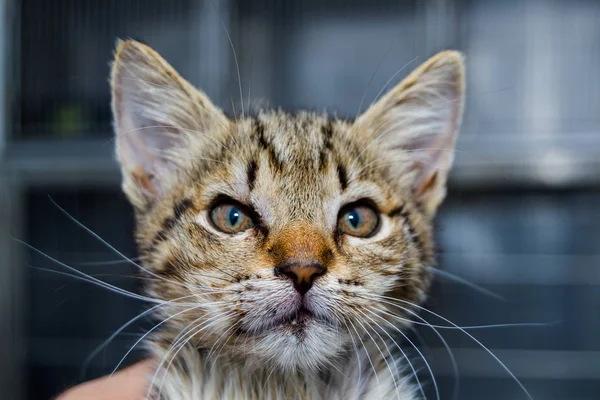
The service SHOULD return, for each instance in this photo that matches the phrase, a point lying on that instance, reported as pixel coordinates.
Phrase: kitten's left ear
(417, 124)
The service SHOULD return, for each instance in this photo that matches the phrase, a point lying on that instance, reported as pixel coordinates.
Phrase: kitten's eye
(230, 218)
(358, 220)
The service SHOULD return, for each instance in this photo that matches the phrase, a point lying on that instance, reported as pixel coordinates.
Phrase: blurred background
(522, 218)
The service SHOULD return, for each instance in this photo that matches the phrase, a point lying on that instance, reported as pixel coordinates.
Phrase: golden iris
(360, 220)
(231, 218)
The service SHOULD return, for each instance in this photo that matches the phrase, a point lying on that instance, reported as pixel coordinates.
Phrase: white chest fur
(190, 377)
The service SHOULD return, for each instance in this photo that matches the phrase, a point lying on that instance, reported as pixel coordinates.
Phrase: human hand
(128, 384)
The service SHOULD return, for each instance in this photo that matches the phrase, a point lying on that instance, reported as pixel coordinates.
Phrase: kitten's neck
(192, 376)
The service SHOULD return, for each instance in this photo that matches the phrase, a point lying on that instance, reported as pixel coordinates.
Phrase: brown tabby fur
(180, 154)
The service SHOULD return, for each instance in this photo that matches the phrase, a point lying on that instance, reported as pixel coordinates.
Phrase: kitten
(288, 252)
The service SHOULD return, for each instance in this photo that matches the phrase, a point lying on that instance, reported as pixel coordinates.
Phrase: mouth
(296, 320)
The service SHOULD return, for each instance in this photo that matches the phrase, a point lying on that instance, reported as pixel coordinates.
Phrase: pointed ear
(155, 113)
(416, 125)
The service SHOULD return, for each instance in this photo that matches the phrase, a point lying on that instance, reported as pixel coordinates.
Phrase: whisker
(233, 107)
(469, 327)
(236, 340)
(517, 381)
(150, 331)
(393, 76)
(356, 351)
(184, 338)
(411, 366)
(456, 278)
(250, 84)
(87, 278)
(108, 262)
(94, 234)
(435, 386)
(449, 351)
(237, 66)
(173, 302)
(98, 349)
(368, 357)
(220, 348)
(392, 373)
(216, 344)
(177, 348)
(362, 99)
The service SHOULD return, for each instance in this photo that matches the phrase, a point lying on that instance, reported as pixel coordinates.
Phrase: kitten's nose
(302, 253)
(303, 276)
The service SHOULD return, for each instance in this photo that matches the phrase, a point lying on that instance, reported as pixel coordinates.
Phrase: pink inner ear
(417, 124)
(144, 181)
(155, 112)
(143, 148)
(142, 141)
(426, 185)
(437, 157)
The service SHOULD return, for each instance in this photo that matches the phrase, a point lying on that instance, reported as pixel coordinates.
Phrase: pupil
(234, 217)
(353, 219)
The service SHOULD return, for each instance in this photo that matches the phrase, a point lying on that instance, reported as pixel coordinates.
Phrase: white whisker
(150, 331)
(184, 338)
(393, 373)
(411, 366)
(393, 76)
(226, 338)
(237, 66)
(362, 99)
(108, 262)
(456, 278)
(137, 317)
(517, 381)
(250, 84)
(357, 353)
(98, 349)
(368, 358)
(104, 242)
(85, 277)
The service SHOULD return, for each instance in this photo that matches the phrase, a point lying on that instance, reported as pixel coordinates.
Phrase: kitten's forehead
(293, 141)
(296, 171)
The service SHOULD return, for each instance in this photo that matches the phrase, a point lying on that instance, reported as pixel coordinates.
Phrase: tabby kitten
(287, 252)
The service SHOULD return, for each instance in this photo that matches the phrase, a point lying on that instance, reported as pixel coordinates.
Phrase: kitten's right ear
(155, 113)
(416, 125)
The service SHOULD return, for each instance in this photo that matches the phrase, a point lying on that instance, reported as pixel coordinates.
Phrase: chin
(304, 344)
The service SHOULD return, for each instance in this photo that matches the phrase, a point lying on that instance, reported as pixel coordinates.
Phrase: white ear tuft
(155, 112)
(417, 123)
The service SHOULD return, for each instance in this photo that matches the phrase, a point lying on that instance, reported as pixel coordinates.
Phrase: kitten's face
(282, 234)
